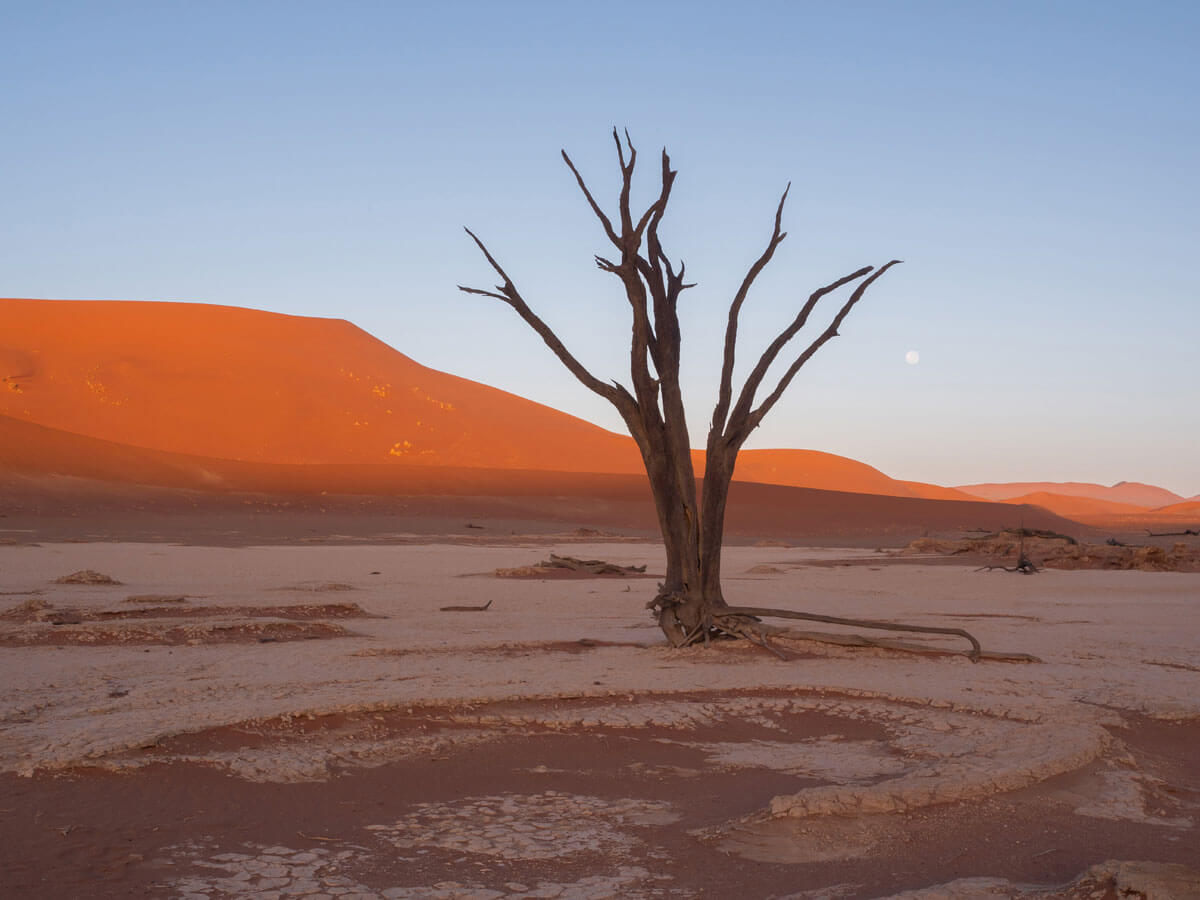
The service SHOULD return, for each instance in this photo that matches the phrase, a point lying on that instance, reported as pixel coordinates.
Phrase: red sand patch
(103, 835)
(79, 635)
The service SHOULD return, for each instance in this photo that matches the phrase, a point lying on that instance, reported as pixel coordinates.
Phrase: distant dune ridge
(1146, 496)
(224, 398)
(1124, 504)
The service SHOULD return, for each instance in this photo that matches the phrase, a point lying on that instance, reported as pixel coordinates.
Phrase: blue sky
(1034, 164)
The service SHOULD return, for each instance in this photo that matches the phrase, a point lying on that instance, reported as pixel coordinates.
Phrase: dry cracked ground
(216, 742)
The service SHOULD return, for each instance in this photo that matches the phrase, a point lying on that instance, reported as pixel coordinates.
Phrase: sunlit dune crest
(225, 398)
(241, 384)
(227, 383)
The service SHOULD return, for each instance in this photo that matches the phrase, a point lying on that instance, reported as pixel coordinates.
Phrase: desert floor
(307, 720)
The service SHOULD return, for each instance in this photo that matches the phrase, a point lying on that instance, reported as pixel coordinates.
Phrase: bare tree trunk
(679, 605)
(718, 473)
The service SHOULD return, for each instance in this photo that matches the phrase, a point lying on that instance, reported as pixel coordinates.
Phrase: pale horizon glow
(1032, 164)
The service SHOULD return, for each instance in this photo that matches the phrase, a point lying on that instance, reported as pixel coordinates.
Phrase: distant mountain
(1145, 496)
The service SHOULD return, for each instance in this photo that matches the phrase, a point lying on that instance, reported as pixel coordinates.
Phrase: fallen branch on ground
(467, 608)
(1024, 566)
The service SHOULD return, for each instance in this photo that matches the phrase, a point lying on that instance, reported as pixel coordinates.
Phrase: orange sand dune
(30, 449)
(1078, 508)
(237, 384)
(48, 470)
(1188, 509)
(827, 471)
(1146, 496)
(241, 384)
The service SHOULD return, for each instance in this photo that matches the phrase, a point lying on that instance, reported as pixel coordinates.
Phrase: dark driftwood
(1024, 566)
(1187, 531)
(467, 608)
(690, 599)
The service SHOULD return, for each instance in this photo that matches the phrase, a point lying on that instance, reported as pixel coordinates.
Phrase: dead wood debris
(467, 608)
(559, 564)
(1060, 552)
(86, 576)
(156, 598)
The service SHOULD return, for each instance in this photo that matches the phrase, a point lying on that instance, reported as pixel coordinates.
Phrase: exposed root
(735, 616)
(743, 622)
(749, 630)
(886, 643)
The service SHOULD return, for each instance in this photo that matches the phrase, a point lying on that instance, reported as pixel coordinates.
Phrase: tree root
(885, 643)
(742, 622)
(732, 619)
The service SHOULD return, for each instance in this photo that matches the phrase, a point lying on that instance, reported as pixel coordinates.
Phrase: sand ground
(307, 720)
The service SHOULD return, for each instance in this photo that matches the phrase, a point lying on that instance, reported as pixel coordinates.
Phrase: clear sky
(1034, 163)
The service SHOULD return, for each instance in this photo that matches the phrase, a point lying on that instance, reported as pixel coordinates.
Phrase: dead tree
(689, 605)
(1024, 564)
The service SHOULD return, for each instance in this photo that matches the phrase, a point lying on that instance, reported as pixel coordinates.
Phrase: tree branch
(604, 220)
(626, 187)
(754, 380)
(510, 295)
(829, 333)
(725, 391)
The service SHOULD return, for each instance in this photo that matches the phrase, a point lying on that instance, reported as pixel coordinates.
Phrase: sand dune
(1078, 508)
(1146, 496)
(827, 471)
(243, 385)
(1187, 509)
(1112, 516)
(204, 397)
(104, 475)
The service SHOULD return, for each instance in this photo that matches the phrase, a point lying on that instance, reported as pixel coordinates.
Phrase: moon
(912, 357)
